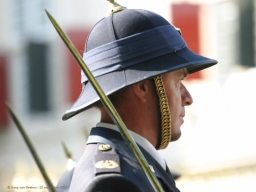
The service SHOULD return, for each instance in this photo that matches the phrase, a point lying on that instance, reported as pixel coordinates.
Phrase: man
(140, 60)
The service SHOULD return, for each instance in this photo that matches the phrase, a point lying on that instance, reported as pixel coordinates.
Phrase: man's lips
(181, 117)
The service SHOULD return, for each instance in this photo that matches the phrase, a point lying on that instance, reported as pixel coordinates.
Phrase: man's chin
(176, 136)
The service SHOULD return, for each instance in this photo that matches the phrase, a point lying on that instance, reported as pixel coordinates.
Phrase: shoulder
(112, 183)
(103, 168)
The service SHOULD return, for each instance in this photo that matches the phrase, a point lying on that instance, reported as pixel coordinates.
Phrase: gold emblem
(107, 164)
(104, 147)
(115, 7)
(179, 30)
(151, 168)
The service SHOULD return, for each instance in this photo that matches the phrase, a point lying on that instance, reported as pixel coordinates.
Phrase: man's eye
(179, 83)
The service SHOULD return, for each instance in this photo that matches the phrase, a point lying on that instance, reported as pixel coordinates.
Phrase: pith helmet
(131, 46)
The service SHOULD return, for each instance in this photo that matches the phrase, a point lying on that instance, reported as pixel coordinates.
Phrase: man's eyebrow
(184, 72)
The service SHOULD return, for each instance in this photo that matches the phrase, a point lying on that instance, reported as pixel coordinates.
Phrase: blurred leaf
(67, 152)
(31, 148)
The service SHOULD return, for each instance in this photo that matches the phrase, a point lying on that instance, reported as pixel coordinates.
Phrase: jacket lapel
(166, 177)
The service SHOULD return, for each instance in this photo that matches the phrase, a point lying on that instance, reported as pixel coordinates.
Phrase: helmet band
(132, 50)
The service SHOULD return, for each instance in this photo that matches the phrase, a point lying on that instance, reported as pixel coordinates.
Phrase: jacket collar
(114, 138)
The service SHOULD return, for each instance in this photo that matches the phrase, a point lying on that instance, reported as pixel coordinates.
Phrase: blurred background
(40, 80)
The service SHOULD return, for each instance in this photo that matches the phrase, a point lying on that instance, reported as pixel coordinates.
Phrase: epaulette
(106, 160)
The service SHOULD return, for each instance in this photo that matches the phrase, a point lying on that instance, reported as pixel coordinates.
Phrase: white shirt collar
(141, 141)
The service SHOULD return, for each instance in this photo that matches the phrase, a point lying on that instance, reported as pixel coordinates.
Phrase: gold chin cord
(165, 113)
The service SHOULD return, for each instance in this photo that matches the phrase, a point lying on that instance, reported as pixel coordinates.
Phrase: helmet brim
(114, 81)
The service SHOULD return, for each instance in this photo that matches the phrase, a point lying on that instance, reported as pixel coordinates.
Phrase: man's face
(178, 98)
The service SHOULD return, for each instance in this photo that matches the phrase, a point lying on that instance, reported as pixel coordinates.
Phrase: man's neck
(143, 142)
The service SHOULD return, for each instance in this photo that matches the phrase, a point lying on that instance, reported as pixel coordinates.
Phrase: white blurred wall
(219, 127)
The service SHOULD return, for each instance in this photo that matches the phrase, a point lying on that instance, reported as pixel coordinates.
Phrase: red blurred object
(186, 17)
(78, 37)
(3, 92)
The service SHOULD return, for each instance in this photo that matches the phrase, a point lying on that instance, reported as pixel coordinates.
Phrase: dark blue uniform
(115, 168)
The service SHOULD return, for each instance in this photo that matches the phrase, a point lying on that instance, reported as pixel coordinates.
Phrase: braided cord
(165, 113)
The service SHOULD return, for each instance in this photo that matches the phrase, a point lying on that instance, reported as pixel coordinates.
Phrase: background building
(40, 80)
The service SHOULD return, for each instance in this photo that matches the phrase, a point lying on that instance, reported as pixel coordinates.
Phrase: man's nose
(185, 96)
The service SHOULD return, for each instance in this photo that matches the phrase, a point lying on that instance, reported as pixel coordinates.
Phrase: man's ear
(142, 90)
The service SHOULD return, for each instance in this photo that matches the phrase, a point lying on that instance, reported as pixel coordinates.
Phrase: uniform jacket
(115, 169)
